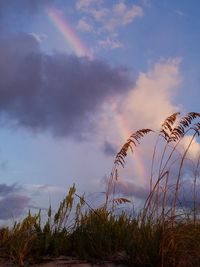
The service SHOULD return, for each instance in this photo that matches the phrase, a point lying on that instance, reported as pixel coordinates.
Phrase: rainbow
(79, 49)
(125, 132)
(67, 32)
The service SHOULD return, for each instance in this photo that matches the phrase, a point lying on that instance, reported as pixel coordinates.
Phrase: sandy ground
(66, 262)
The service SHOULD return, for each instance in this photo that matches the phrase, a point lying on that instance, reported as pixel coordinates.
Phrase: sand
(72, 262)
(66, 262)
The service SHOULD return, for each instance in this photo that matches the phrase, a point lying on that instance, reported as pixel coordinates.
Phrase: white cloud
(123, 15)
(120, 14)
(39, 37)
(44, 188)
(109, 43)
(99, 14)
(83, 5)
(131, 14)
(151, 100)
(104, 19)
(145, 106)
(83, 25)
(194, 150)
(148, 103)
(179, 13)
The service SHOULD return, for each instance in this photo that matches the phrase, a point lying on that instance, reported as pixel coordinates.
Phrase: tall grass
(165, 233)
(162, 211)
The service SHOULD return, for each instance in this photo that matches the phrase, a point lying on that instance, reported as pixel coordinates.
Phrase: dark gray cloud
(12, 203)
(130, 189)
(109, 149)
(185, 197)
(58, 93)
(7, 189)
(12, 206)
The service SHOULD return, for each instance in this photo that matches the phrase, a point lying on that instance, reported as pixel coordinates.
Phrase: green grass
(161, 235)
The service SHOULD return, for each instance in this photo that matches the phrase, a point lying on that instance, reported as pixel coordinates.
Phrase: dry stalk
(194, 189)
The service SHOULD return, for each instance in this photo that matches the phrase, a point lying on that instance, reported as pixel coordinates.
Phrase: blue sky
(63, 116)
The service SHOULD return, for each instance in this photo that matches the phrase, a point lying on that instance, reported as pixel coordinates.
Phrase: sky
(77, 77)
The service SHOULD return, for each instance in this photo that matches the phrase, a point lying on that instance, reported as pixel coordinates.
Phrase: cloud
(7, 189)
(194, 150)
(123, 15)
(39, 37)
(130, 189)
(151, 101)
(58, 93)
(185, 196)
(179, 13)
(109, 43)
(84, 26)
(85, 4)
(44, 188)
(146, 104)
(110, 19)
(12, 203)
(13, 206)
(109, 149)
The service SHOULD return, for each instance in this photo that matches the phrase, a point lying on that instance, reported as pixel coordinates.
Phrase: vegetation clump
(166, 233)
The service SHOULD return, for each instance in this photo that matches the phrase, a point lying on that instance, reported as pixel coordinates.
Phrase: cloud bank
(146, 106)
(12, 206)
(58, 93)
(12, 203)
(151, 101)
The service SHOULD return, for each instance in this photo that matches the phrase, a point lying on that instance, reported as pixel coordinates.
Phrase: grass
(166, 233)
